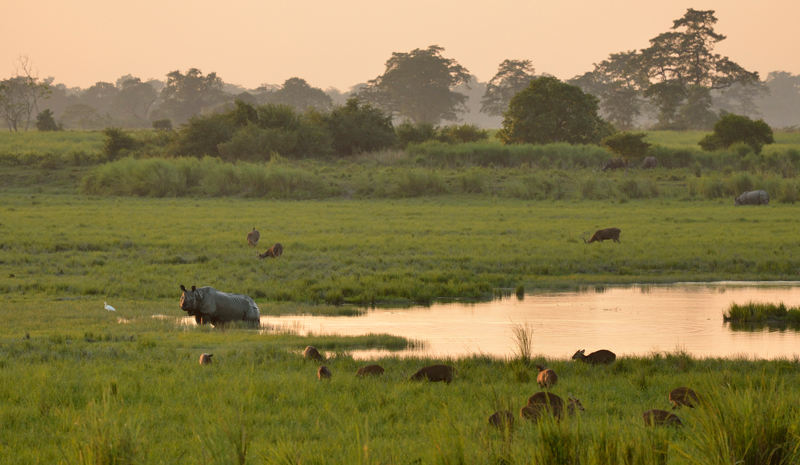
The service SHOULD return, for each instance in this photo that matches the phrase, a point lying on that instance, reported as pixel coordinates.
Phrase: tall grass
(760, 312)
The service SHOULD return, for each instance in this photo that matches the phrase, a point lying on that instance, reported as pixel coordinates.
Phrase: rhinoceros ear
(194, 288)
(183, 288)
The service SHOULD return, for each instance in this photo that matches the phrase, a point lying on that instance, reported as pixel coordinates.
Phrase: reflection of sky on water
(626, 320)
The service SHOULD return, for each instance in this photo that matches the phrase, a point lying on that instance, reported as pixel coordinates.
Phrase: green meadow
(81, 385)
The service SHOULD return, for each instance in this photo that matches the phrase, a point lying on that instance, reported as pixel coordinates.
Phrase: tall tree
(187, 94)
(782, 106)
(418, 86)
(550, 111)
(741, 98)
(20, 94)
(296, 92)
(100, 97)
(134, 98)
(683, 58)
(512, 76)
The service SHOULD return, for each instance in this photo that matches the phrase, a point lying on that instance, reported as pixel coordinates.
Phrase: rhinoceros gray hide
(649, 162)
(752, 198)
(208, 305)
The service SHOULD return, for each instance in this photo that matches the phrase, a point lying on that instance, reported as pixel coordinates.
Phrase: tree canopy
(732, 129)
(512, 76)
(418, 86)
(550, 111)
(187, 94)
(296, 92)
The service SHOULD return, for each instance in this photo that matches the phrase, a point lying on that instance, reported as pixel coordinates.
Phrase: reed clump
(761, 312)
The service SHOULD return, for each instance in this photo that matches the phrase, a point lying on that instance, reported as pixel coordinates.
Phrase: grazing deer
(681, 396)
(312, 353)
(601, 357)
(273, 252)
(376, 370)
(434, 373)
(546, 378)
(547, 401)
(502, 419)
(657, 417)
(604, 235)
(205, 359)
(324, 372)
(252, 237)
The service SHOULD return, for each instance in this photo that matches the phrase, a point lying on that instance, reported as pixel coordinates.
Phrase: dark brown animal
(434, 373)
(312, 353)
(324, 372)
(205, 359)
(542, 402)
(681, 396)
(273, 252)
(368, 370)
(601, 357)
(502, 419)
(649, 162)
(546, 378)
(657, 417)
(604, 235)
(252, 237)
(615, 164)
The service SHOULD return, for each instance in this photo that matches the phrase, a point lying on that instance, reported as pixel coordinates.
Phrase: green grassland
(89, 386)
(376, 251)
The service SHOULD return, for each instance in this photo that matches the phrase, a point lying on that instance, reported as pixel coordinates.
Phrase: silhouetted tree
(46, 122)
(732, 129)
(134, 98)
(418, 86)
(100, 97)
(512, 76)
(782, 106)
(82, 116)
(20, 94)
(298, 93)
(359, 127)
(741, 98)
(187, 94)
(550, 111)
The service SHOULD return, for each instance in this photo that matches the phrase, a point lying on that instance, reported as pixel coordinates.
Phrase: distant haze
(346, 42)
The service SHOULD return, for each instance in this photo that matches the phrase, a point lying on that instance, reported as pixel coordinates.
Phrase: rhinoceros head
(190, 300)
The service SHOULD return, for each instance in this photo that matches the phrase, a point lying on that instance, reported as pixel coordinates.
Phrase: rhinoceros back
(224, 306)
(759, 197)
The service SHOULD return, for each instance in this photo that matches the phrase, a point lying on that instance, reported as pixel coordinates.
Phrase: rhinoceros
(614, 164)
(605, 234)
(208, 305)
(752, 198)
(649, 162)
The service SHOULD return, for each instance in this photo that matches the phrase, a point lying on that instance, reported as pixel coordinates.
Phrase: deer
(681, 396)
(657, 417)
(312, 353)
(542, 402)
(324, 372)
(368, 370)
(600, 357)
(546, 378)
(205, 359)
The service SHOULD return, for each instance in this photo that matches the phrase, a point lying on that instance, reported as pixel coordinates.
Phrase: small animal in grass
(502, 419)
(109, 307)
(205, 359)
(312, 353)
(434, 373)
(547, 402)
(657, 417)
(370, 370)
(604, 235)
(546, 378)
(681, 396)
(273, 252)
(324, 372)
(600, 357)
(252, 237)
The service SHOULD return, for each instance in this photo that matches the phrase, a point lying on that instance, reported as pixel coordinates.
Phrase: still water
(630, 320)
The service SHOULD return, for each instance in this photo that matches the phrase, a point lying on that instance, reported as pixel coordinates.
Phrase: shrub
(253, 143)
(359, 127)
(627, 145)
(201, 135)
(46, 122)
(162, 124)
(411, 133)
(464, 133)
(116, 143)
(731, 129)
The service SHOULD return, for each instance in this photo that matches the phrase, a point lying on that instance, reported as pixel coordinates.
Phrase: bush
(731, 129)
(162, 124)
(253, 143)
(415, 133)
(116, 143)
(627, 145)
(462, 134)
(46, 122)
(201, 135)
(357, 127)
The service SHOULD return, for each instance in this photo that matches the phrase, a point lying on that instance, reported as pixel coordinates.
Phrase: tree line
(678, 82)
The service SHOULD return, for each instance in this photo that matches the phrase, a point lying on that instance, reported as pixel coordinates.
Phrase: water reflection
(627, 320)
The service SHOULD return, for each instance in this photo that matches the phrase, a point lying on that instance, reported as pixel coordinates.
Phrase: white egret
(109, 307)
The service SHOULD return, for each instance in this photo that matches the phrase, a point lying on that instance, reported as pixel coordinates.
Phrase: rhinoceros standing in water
(208, 305)
(752, 198)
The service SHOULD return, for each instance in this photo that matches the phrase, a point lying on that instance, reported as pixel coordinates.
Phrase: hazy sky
(345, 42)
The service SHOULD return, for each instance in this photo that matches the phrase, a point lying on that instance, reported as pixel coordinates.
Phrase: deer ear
(194, 288)
(183, 288)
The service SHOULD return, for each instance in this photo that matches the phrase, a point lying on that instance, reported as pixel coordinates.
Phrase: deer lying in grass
(434, 373)
(502, 419)
(547, 402)
(600, 357)
(546, 378)
(657, 417)
(376, 370)
(681, 396)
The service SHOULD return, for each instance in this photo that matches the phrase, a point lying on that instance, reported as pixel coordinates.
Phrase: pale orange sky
(342, 43)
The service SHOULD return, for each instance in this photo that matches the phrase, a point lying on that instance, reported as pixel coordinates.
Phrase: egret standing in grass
(109, 307)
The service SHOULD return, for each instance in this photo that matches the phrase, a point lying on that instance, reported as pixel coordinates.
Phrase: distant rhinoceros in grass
(208, 305)
(752, 198)
(649, 162)
(614, 164)
(604, 235)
